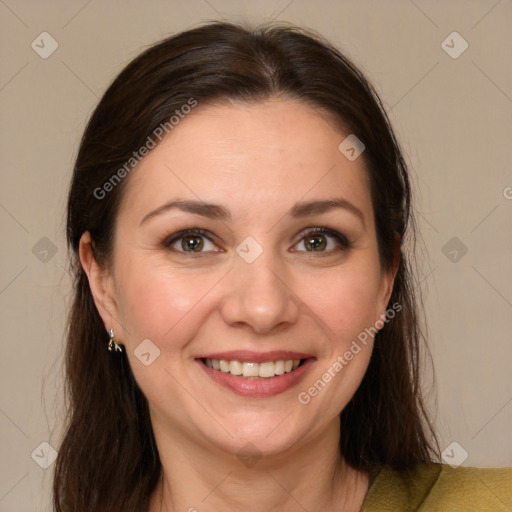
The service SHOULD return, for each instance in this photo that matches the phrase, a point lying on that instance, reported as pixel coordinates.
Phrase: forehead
(263, 156)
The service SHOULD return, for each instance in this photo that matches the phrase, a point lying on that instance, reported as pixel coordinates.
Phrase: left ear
(388, 279)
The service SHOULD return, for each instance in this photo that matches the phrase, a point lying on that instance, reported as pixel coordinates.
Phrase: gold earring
(112, 344)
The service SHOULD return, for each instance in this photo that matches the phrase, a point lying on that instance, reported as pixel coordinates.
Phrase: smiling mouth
(254, 371)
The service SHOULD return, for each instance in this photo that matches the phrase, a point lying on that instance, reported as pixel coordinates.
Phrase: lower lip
(258, 388)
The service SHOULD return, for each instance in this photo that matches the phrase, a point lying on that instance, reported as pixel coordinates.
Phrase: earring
(112, 344)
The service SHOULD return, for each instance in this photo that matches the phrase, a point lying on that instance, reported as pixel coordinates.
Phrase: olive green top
(441, 488)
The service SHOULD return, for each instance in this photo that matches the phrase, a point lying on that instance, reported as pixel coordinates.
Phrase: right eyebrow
(210, 210)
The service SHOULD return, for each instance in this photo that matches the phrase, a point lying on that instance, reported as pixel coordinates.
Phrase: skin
(257, 161)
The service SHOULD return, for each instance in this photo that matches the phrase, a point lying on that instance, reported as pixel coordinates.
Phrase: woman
(244, 333)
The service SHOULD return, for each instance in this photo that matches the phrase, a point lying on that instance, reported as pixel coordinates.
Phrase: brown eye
(315, 243)
(193, 242)
(322, 240)
(190, 241)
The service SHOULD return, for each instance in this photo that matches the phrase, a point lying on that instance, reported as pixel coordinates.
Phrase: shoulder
(441, 488)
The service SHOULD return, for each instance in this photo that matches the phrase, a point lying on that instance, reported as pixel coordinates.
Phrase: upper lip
(256, 357)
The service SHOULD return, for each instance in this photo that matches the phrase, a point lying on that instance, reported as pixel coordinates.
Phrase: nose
(260, 297)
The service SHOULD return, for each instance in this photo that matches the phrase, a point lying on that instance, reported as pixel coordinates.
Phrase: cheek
(167, 307)
(156, 301)
(346, 301)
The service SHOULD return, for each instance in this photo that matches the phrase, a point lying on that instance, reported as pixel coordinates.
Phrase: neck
(200, 478)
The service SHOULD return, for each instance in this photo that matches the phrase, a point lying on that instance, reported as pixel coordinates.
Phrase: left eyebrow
(306, 208)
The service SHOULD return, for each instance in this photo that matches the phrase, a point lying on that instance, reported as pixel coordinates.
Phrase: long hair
(108, 459)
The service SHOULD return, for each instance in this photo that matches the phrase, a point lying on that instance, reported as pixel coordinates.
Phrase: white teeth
(235, 368)
(266, 369)
(279, 367)
(250, 369)
(253, 370)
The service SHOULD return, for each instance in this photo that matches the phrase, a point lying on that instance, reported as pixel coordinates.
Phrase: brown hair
(108, 458)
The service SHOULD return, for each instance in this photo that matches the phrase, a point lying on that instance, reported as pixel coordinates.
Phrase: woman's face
(260, 283)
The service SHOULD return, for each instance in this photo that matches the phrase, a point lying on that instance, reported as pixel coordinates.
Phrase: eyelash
(343, 242)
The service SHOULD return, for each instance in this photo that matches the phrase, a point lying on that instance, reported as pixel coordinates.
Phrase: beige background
(454, 120)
